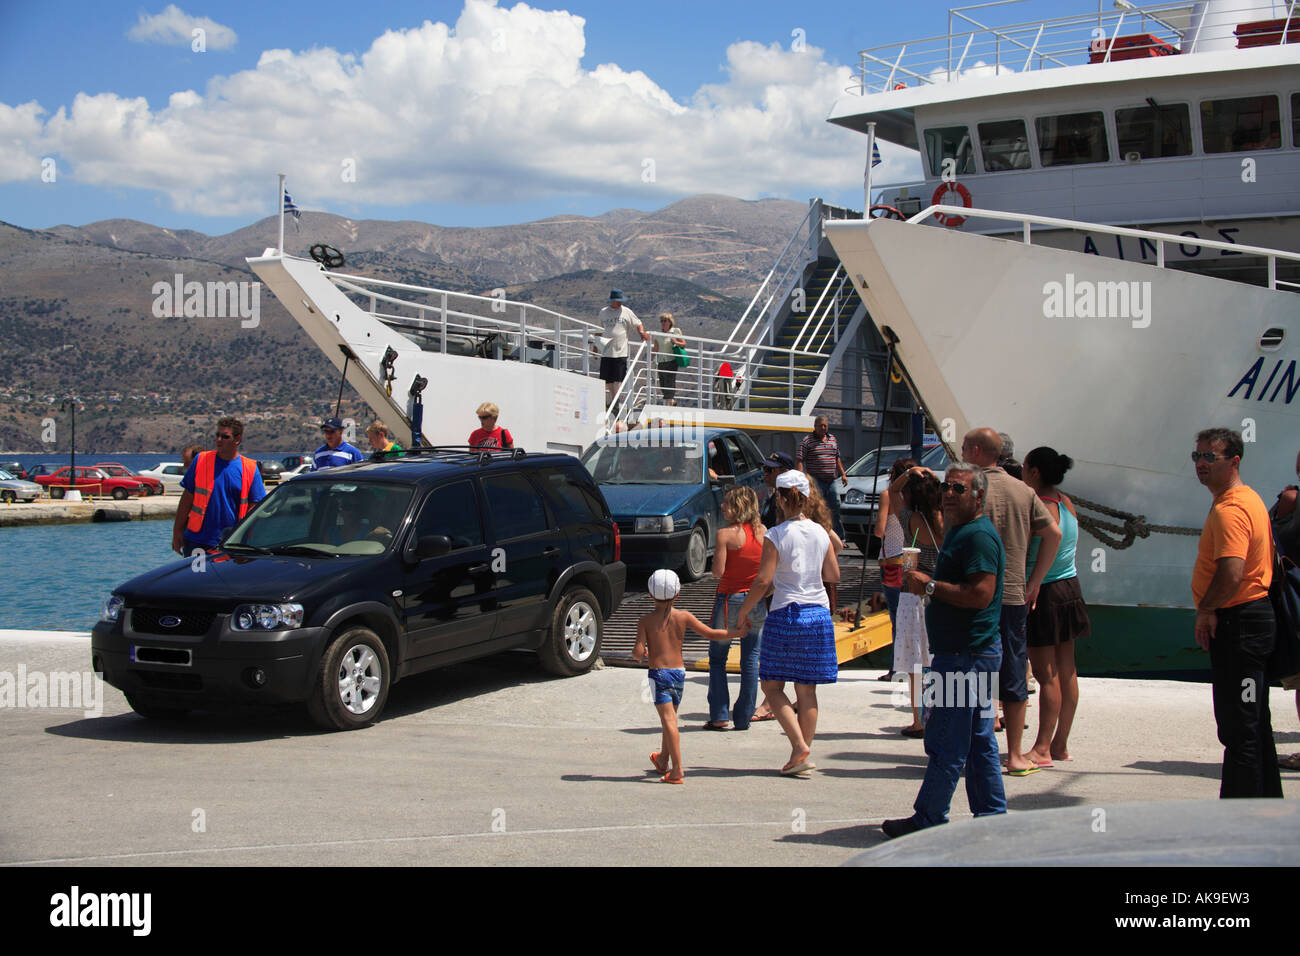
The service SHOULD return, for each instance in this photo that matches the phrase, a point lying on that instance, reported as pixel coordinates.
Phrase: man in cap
(617, 321)
(777, 464)
(335, 451)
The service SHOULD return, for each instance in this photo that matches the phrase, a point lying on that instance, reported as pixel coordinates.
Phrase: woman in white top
(665, 358)
(798, 637)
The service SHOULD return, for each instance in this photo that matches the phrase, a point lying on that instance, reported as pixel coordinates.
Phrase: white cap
(793, 479)
(664, 585)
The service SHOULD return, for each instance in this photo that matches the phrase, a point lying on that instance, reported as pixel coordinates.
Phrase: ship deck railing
(720, 375)
(1159, 239)
(972, 48)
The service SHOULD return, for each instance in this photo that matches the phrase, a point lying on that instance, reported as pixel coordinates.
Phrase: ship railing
(801, 248)
(972, 48)
(1159, 239)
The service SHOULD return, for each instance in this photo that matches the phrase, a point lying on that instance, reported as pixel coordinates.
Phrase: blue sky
(493, 113)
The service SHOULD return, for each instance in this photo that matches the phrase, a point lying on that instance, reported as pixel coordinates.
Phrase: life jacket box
(1137, 46)
(1266, 33)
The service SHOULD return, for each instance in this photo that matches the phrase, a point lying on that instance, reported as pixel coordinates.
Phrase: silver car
(858, 500)
(15, 489)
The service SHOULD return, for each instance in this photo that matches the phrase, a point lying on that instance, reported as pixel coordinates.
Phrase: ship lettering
(1288, 379)
(1089, 246)
(1144, 245)
(1228, 238)
(1196, 250)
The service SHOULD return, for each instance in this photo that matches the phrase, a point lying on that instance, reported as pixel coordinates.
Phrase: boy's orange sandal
(667, 779)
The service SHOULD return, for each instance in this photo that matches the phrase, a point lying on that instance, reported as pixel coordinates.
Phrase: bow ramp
(424, 358)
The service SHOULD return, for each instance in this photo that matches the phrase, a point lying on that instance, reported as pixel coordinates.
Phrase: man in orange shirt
(1234, 619)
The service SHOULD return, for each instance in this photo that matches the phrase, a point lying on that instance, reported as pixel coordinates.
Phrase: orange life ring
(900, 86)
(938, 200)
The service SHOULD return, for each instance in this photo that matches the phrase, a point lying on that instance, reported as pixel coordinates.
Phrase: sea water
(55, 577)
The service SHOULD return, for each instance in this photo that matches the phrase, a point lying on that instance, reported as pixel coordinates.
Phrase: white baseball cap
(793, 479)
(664, 585)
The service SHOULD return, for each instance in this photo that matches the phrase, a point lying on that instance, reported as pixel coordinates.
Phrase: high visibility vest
(203, 479)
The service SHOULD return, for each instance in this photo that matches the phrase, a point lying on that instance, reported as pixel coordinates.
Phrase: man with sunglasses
(776, 464)
(1018, 515)
(218, 489)
(961, 621)
(335, 451)
(1234, 619)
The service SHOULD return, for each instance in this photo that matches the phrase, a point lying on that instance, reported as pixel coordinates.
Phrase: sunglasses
(221, 437)
(484, 418)
(956, 487)
(1208, 457)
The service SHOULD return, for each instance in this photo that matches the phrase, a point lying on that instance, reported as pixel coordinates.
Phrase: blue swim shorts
(668, 684)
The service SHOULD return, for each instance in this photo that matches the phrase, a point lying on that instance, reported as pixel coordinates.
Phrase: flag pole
(871, 152)
(281, 214)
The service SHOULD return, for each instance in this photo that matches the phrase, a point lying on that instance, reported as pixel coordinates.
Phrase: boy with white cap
(659, 637)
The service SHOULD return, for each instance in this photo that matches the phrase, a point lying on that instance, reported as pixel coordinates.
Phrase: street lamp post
(72, 493)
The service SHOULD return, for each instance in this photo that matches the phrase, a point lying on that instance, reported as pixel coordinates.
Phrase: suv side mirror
(431, 546)
(724, 480)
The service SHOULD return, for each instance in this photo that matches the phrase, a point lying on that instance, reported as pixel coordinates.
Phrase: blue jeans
(959, 736)
(827, 488)
(719, 698)
(891, 601)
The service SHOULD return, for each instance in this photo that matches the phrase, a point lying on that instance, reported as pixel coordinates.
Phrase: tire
(697, 555)
(8, 497)
(56, 493)
(573, 642)
(150, 711)
(119, 494)
(338, 700)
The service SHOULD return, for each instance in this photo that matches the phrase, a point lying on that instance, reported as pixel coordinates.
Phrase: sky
(467, 113)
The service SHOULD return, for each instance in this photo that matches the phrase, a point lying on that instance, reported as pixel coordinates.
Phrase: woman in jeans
(735, 563)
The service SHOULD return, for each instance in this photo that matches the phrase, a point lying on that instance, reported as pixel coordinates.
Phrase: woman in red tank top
(736, 558)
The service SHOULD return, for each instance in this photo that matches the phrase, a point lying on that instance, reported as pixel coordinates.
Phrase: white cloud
(175, 27)
(497, 108)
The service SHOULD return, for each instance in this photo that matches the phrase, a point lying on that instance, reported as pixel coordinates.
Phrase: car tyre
(573, 642)
(56, 492)
(119, 494)
(351, 686)
(8, 497)
(152, 711)
(697, 555)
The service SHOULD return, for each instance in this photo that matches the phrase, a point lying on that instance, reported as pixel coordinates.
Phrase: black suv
(343, 581)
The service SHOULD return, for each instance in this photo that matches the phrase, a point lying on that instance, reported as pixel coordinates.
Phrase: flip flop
(654, 762)
(717, 725)
(756, 718)
(799, 769)
(913, 732)
(1024, 772)
(667, 779)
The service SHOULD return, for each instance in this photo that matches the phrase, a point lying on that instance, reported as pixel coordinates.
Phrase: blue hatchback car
(658, 486)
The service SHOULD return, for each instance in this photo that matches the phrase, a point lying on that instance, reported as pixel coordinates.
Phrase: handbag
(683, 359)
(1284, 595)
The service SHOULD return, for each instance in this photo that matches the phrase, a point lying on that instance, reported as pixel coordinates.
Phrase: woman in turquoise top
(1059, 617)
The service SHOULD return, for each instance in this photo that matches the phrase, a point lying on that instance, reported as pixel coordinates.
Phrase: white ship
(1106, 262)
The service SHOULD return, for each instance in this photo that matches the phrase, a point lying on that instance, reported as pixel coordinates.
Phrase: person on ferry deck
(617, 322)
(488, 435)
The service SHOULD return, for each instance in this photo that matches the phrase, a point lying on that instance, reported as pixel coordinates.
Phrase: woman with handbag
(666, 342)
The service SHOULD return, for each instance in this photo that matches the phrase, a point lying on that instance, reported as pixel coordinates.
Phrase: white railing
(756, 323)
(973, 48)
(1159, 239)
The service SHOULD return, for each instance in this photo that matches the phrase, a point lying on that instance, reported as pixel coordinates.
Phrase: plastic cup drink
(910, 558)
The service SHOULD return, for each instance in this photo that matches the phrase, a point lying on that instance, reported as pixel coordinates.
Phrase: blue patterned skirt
(799, 646)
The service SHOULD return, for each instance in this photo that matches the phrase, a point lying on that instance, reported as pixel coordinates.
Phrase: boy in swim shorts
(659, 637)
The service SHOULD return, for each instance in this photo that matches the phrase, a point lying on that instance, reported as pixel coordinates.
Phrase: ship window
(950, 142)
(1241, 125)
(1005, 145)
(1155, 133)
(1071, 139)
(1295, 119)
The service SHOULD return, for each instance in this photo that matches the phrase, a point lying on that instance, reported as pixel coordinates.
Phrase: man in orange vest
(218, 489)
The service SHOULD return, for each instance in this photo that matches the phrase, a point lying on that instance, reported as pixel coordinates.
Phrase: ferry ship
(1106, 263)
(1102, 257)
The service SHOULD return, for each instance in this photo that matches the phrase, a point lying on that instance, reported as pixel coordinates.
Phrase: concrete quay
(46, 511)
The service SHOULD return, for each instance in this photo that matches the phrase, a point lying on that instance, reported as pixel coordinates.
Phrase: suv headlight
(266, 617)
(656, 525)
(112, 609)
(854, 496)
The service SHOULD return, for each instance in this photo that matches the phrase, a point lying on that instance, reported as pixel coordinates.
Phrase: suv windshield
(622, 463)
(325, 517)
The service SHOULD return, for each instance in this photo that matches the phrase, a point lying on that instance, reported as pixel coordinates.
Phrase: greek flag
(875, 154)
(291, 207)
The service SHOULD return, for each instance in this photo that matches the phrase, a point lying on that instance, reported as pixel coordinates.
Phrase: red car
(152, 486)
(93, 480)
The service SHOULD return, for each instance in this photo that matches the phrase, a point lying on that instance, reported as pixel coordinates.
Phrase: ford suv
(344, 581)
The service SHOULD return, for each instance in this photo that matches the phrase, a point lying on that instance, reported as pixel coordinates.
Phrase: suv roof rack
(483, 456)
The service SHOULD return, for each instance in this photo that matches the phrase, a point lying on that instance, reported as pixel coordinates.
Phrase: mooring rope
(1134, 526)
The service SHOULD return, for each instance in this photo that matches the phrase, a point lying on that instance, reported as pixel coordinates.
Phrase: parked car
(657, 483)
(858, 501)
(271, 471)
(169, 473)
(92, 480)
(15, 489)
(341, 582)
(153, 486)
(291, 462)
(295, 471)
(16, 469)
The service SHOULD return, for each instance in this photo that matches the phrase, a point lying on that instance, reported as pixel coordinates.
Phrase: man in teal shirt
(961, 620)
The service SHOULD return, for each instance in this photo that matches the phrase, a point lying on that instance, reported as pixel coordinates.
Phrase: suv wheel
(352, 684)
(697, 555)
(151, 711)
(573, 643)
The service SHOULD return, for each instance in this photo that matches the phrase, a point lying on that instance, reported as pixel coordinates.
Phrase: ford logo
(169, 620)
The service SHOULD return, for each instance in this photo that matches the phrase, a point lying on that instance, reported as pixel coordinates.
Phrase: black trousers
(1239, 651)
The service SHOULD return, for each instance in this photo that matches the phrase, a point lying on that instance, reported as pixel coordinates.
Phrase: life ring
(938, 200)
(900, 86)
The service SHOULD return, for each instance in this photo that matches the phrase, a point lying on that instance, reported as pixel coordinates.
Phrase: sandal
(1289, 763)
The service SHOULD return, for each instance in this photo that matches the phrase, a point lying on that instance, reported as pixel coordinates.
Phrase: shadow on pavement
(1182, 768)
(860, 837)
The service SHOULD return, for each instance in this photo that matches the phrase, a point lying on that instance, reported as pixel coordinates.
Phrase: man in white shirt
(617, 321)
